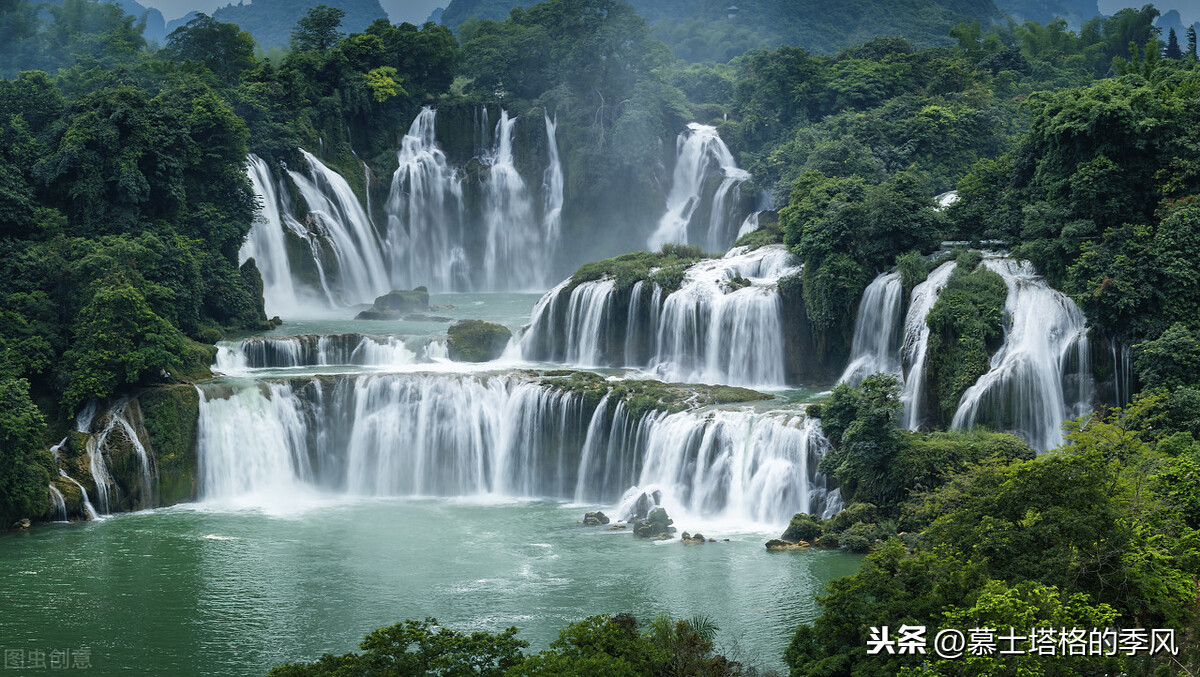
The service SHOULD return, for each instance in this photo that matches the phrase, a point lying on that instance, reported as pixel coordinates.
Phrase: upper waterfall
(701, 159)
(723, 325)
(441, 231)
(425, 213)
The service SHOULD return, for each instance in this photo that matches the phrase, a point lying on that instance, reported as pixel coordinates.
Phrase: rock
(616, 527)
(802, 528)
(593, 519)
(692, 539)
(22, 523)
(476, 341)
(643, 505)
(713, 540)
(422, 317)
(396, 304)
(777, 544)
(657, 525)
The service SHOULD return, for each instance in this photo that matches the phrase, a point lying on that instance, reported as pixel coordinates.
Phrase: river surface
(208, 590)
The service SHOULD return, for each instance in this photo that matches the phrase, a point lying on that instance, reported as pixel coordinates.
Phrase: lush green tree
(1171, 360)
(118, 341)
(23, 471)
(226, 49)
(318, 30)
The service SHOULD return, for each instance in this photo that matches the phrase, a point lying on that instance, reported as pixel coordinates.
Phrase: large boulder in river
(802, 528)
(477, 341)
(644, 505)
(396, 304)
(593, 519)
(657, 525)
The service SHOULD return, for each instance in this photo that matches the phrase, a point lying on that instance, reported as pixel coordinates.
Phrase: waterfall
(1040, 376)
(311, 350)
(552, 189)
(876, 330)
(266, 244)
(89, 511)
(748, 226)
(735, 466)
(120, 425)
(273, 443)
(58, 503)
(916, 342)
(723, 325)
(515, 246)
(1122, 374)
(341, 220)
(425, 214)
(700, 155)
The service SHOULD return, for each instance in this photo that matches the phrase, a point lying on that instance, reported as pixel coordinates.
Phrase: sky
(416, 11)
(412, 11)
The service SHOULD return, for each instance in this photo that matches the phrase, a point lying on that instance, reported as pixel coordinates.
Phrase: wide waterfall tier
(497, 231)
(703, 206)
(276, 443)
(315, 350)
(1041, 375)
(723, 325)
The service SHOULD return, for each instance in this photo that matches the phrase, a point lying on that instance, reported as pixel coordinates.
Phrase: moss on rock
(476, 340)
(966, 328)
(170, 416)
(666, 267)
(396, 303)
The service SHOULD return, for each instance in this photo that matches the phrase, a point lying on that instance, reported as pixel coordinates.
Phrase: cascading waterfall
(266, 244)
(271, 443)
(731, 465)
(723, 325)
(876, 330)
(341, 220)
(515, 245)
(313, 350)
(89, 511)
(1040, 376)
(425, 214)
(700, 156)
(916, 342)
(121, 423)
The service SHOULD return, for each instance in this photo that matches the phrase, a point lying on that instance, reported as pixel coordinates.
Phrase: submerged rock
(477, 341)
(396, 304)
(692, 539)
(593, 519)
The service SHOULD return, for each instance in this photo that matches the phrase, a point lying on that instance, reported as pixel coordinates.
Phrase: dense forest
(124, 202)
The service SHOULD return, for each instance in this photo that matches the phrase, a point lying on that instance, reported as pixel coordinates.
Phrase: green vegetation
(998, 537)
(706, 31)
(643, 395)
(966, 328)
(476, 340)
(601, 645)
(170, 416)
(666, 268)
